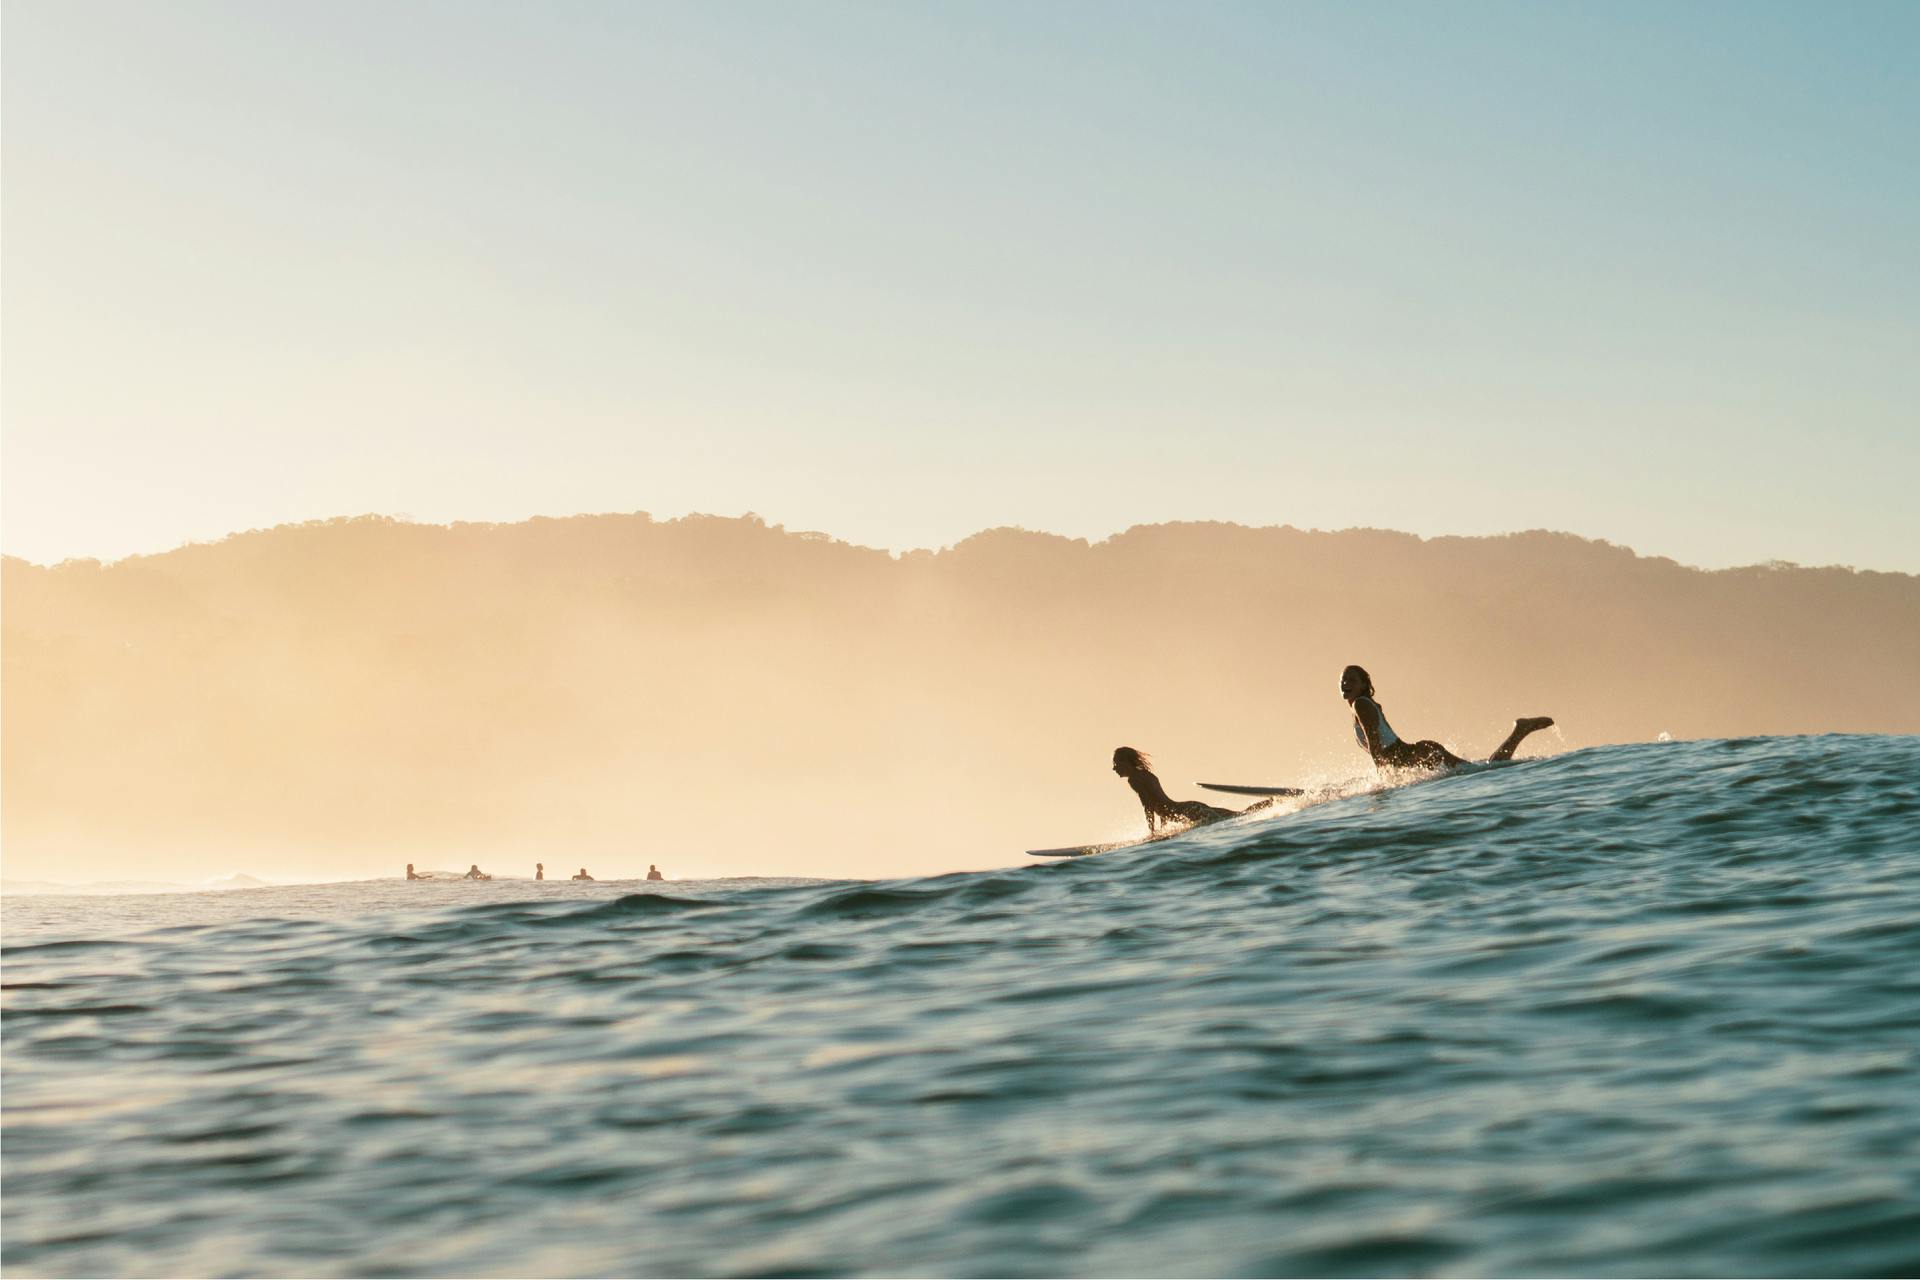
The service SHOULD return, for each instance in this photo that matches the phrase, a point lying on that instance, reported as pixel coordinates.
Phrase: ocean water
(1648, 1010)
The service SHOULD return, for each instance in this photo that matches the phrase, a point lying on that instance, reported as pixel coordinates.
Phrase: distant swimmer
(1161, 811)
(583, 875)
(1389, 750)
(653, 872)
(412, 876)
(539, 871)
(475, 873)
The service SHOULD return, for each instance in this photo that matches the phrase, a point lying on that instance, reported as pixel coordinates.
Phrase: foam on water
(1634, 1010)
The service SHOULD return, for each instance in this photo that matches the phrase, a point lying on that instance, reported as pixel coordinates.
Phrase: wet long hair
(1131, 758)
(1359, 675)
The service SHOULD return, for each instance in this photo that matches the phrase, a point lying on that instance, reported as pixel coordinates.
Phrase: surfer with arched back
(1161, 811)
(1389, 750)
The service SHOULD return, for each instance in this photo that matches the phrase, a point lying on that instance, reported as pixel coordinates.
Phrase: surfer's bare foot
(1521, 728)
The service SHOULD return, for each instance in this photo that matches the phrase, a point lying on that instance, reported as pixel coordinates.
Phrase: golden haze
(725, 697)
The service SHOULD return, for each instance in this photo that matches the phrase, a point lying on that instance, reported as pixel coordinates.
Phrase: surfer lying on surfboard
(1132, 766)
(1390, 751)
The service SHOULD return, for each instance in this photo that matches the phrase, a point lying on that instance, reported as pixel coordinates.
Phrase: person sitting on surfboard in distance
(1161, 811)
(539, 871)
(412, 876)
(1389, 750)
(653, 872)
(583, 875)
(475, 873)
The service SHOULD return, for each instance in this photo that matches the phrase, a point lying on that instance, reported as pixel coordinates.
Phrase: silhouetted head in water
(1355, 683)
(1127, 761)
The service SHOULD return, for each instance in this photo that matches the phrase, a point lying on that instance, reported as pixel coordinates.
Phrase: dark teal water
(1644, 1010)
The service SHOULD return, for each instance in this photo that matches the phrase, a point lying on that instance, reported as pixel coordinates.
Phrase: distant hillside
(726, 697)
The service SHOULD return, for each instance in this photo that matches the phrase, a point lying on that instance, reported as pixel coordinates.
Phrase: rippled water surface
(1635, 1010)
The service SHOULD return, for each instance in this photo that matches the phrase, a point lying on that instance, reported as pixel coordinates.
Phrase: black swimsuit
(1424, 754)
(1396, 752)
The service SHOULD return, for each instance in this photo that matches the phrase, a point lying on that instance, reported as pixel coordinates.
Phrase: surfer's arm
(1367, 712)
(1153, 798)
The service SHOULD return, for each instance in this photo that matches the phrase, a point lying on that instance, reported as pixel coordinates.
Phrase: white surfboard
(1235, 789)
(1079, 850)
(1082, 850)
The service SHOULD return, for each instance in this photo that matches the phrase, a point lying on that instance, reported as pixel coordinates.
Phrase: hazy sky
(905, 271)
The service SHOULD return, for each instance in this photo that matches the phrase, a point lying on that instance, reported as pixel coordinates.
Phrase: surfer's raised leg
(1521, 728)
